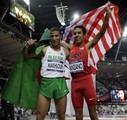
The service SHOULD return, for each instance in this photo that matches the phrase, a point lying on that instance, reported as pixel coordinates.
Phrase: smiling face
(55, 37)
(79, 35)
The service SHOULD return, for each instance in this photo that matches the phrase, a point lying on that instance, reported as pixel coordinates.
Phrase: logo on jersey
(74, 56)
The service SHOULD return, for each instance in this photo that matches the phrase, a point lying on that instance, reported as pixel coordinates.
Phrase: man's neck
(80, 44)
(56, 48)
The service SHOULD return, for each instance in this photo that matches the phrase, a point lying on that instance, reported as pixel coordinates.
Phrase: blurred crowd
(105, 81)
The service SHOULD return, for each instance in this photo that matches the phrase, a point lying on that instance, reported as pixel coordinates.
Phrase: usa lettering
(76, 55)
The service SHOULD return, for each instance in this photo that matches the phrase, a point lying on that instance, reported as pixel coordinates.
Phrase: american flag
(93, 21)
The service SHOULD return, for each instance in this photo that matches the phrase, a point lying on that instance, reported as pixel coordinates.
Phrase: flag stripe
(115, 29)
(93, 22)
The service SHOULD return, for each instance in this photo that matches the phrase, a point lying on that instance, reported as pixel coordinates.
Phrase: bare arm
(67, 52)
(65, 45)
(93, 42)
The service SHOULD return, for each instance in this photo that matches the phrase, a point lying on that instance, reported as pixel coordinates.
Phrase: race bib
(54, 65)
(76, 66)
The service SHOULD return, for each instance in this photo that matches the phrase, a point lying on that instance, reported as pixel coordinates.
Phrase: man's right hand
(26, 53)
(31, 42)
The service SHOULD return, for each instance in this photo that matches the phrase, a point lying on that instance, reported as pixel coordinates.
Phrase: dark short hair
(81, 27)
(55, 29)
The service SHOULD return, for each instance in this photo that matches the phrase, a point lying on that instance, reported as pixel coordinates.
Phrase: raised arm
(93, 42)
(28, 55)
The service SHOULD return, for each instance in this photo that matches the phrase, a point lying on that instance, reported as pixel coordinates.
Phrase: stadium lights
(75, 16)
(124, 36)
(27, 2)
(125, 32)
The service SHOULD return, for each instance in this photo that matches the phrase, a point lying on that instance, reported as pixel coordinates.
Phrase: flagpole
(30, 32)
(120, 42)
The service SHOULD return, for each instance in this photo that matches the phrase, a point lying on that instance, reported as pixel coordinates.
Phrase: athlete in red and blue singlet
(82, 83)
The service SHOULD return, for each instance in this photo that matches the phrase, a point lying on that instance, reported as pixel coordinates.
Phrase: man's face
(55, 38)
(78, 36)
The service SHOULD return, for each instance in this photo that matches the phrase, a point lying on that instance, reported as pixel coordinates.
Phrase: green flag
(22, 86)
(45, 35)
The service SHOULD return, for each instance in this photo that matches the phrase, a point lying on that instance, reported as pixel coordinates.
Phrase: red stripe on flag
(87, 19)
(105, 44)
(95, 22)
(116, 10)
(110, 32)
(91, 21)
(97, 48)
(69, 36)
(115, 28)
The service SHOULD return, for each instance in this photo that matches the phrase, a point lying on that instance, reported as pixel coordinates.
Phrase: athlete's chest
(77, 53)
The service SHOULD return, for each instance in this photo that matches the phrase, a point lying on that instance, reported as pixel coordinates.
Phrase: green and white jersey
(53, 63)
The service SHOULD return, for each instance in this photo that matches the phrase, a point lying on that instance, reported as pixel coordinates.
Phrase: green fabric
(39, 49)
(53, 87)
(22, 87)
(45, 35)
